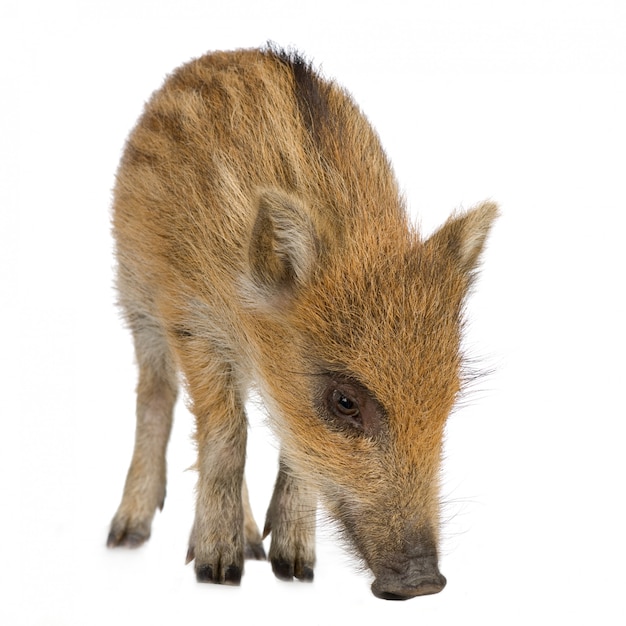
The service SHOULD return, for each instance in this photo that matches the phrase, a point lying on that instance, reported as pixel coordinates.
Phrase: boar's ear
(463, 237)
(284, 246)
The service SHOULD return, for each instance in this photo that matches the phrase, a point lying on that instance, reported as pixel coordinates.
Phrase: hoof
(122, 535)
(287, 570)
(231, 575)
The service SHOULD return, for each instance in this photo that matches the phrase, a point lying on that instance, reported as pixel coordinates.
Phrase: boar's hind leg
(217, 538)
(291, 520)
(144, 490)
(253, 541)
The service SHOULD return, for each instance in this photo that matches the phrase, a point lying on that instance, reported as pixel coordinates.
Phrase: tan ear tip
(488, 210)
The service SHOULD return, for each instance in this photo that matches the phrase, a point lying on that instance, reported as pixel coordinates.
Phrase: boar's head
(362, 367)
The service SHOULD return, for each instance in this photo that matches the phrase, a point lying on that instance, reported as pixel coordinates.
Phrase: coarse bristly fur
(262, 241)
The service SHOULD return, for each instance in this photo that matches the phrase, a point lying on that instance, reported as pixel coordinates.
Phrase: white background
(522, 102)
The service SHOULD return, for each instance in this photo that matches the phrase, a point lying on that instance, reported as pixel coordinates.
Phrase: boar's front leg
(217, 538)
(291, 520)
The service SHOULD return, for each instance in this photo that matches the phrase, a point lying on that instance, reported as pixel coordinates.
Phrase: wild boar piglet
(262, 243)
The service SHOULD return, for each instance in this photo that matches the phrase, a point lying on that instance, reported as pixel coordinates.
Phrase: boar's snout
(416, 577)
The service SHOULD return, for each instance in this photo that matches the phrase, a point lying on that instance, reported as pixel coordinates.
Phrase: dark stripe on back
(312, 93)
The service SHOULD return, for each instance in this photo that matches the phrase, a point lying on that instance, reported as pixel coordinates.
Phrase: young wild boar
(262, 243)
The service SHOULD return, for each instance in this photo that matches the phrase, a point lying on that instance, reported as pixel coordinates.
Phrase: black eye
(343, 405)
(348, 406)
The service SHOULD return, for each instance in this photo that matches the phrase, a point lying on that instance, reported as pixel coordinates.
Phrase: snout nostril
(431, 586)
(386, 595)
(398, 591)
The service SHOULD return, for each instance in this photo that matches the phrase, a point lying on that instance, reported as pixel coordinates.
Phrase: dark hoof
(208, 574)
(204, 574)
(287, 570)
(232, 575)
(283, 570)
(305, 574)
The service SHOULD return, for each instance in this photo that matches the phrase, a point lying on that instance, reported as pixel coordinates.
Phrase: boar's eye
(343, 405)
(348, 404)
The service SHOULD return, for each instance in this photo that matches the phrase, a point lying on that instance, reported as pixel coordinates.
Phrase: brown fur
(262, 241)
